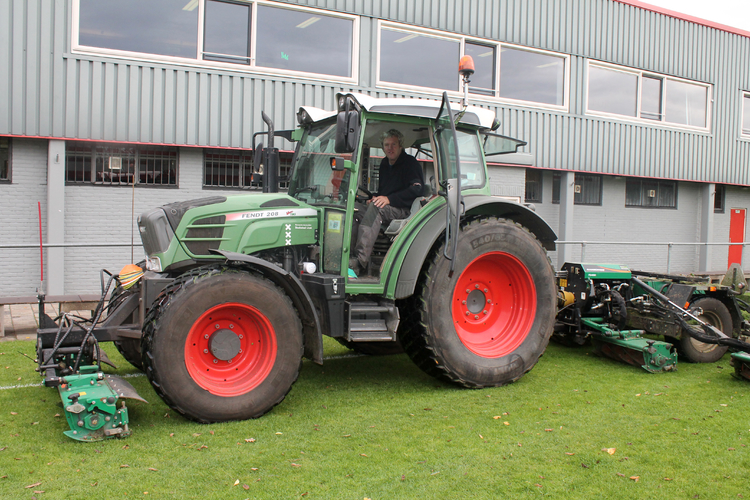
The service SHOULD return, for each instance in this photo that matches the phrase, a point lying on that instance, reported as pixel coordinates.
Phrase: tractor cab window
(472, 163)
(312, 180)
(415, 136)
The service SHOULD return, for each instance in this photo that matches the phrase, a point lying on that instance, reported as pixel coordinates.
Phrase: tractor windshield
(312, 180)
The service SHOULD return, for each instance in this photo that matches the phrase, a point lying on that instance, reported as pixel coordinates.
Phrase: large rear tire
(489, 323)
(717, 315)
(222, 344)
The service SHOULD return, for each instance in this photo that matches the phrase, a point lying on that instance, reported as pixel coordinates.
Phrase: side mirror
(338, 164)
(347, 131)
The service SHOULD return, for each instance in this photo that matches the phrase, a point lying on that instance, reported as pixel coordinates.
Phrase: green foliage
(576, 426)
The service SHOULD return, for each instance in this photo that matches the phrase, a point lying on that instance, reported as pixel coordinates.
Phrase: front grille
(199, 240)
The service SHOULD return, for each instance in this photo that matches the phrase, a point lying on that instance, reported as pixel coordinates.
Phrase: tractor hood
(244, 224)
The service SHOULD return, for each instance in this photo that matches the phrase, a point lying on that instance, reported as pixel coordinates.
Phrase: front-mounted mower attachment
(70, 359)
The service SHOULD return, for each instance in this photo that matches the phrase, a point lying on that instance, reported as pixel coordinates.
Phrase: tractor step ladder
(372, 322)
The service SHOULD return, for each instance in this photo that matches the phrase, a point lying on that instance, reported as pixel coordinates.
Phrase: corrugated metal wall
(45, 91)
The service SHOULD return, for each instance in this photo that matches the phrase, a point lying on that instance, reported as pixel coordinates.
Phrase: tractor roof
(423, 108)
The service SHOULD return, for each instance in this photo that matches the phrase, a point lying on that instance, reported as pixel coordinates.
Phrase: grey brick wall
(93, 214)
(613, 222)
(20, 269)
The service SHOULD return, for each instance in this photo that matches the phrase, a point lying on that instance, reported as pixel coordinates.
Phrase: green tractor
(237, 290)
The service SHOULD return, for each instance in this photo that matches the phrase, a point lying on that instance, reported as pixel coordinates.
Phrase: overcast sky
(735, 13)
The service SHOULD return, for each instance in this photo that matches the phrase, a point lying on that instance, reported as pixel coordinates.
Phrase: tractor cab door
(315, 183)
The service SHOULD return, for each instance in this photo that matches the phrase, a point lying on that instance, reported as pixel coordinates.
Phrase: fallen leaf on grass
(548, 430)
(32, 485)
(635, 478)
(584, 466)
(506, 423)
(246, 486)
(124, 466)
(152, 469)
(667, 478)
(196, 434)
(621, 475)
(13, 413)
(363, 455)
(296, 465)
(568, 453)
(250, 440)
(236, 482)
(611, 451)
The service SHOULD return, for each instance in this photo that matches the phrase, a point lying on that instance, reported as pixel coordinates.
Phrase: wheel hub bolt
(485, 311)
(467, 313)
(240, 335)
(216, 360)
(477, 286)
(205, 336)
(467, 290)
(217, 326)
(205, 351)
(486, 290)
(463, 302)
(476, 317)
(231, 325)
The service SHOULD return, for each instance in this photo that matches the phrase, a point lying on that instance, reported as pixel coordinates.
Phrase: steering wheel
(362, 198)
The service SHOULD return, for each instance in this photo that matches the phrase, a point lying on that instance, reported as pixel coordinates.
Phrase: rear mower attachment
(630, 347)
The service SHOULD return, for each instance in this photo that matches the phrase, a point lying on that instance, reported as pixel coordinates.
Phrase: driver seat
(397, 224)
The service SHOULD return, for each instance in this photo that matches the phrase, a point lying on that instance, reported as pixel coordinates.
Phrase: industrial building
(637, 119)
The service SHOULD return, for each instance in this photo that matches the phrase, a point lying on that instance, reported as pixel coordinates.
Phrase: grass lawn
(576, 426)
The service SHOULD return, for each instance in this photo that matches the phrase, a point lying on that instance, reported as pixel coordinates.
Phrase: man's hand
(380, 201)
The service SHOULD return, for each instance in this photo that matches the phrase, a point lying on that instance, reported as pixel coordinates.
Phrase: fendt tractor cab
(236, 290)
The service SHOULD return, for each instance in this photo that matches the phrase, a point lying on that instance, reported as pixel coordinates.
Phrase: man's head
(393, 145)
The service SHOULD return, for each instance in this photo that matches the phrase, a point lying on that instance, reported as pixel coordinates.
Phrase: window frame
(745, 134)
(9, 178)
(137, 158)
(720, 198)
(659, 182)
(640, 74)
(285, 168)
(463, 40)
(251, 68)
(540, 188)
(556, 186)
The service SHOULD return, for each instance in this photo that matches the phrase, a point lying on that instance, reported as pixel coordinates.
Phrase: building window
(483, 79)
(650, 193)
(525, 75)
(233, 169)
(532, 76)
(746, 114)
(586, 191)
(226, 32)
(117, 165)
(304, 41)
(5, 159)
(251, 34)
(719, 198)
(634, 94)
(164, 27)
(427, 70)
(534, 186)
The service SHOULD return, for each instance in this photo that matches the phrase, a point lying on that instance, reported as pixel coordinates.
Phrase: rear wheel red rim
(230, 349)
(494, 304)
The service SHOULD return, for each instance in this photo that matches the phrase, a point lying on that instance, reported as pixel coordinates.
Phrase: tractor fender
(475, 205)
(293, 287)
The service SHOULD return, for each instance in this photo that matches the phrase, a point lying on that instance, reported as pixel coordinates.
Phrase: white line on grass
(136, 375)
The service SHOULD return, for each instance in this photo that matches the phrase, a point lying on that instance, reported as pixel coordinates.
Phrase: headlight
(153, 264)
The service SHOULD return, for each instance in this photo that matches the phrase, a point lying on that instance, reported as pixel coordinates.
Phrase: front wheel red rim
(494, 304)
(230, 349)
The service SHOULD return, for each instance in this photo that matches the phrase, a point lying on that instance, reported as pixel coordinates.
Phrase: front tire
(717, 315)
(222, 344)
(489, 323)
